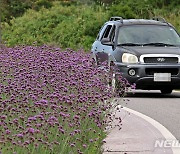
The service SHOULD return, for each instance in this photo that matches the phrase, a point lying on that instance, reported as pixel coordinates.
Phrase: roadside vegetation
(75, 24)
(58, 26)
(52, 101)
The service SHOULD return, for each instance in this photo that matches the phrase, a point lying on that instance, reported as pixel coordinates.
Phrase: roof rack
(159, 19)
(116, 18)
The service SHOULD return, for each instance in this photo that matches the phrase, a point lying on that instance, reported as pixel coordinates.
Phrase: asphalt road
(163, 108)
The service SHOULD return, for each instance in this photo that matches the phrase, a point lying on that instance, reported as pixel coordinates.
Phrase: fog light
(132, 72)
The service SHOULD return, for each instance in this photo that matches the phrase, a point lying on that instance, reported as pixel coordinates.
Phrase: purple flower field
(51, 101)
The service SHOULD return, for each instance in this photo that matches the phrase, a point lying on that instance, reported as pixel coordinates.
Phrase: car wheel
(114, 83)
(117, 86)
(166, 91)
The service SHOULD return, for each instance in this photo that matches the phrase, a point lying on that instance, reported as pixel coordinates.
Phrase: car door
(100, 50)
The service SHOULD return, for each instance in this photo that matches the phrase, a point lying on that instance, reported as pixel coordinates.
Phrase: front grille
(169, 60)
(151, 71)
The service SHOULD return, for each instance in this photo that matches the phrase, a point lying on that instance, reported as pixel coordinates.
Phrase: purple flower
(53, 95)
(31, 130)
(8, 131)
(72, 145)
(31, 118)
(20, 135)
(62, 131)
(84, 145)
(3, 117)
(91, 140)
(76, 117)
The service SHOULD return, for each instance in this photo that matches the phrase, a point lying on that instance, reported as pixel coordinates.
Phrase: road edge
(165, 132)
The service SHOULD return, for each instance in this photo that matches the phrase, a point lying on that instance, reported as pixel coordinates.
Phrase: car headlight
(129, 58)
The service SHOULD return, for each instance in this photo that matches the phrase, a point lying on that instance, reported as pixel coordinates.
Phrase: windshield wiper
(129, 44)
(157, 44)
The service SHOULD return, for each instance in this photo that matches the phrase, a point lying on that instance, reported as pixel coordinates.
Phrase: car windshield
(148, 35)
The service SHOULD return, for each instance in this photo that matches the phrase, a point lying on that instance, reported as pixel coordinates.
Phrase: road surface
(163, 108)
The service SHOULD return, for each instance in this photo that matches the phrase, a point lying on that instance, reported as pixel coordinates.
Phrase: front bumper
(144, 77)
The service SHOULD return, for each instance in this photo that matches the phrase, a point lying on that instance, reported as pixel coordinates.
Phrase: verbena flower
(51, 99)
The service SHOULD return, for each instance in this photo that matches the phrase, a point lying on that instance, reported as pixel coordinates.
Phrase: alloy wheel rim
(113, 82)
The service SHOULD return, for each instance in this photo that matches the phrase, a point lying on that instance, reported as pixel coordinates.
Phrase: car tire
(114, 83)
(166, 91)
(116, 86)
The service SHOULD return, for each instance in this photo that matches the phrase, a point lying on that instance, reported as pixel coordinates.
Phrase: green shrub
(42, 3)
(58, 25)
(122, 10)
(76, 25)
(171, 17)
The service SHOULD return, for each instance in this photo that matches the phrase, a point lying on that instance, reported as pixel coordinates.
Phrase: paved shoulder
(137, 135)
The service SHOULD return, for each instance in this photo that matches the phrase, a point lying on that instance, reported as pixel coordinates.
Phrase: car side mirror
(107, 41)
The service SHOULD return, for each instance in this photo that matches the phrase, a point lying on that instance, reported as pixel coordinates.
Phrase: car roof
(139, 22)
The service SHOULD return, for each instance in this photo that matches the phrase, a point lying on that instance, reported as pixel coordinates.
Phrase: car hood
(138, 51)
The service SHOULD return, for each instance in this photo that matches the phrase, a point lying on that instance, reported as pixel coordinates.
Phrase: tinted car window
(142, 34)
(101, 32)
(107, 31)
(112, 35)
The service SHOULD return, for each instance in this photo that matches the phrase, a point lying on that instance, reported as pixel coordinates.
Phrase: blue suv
(145, 52)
